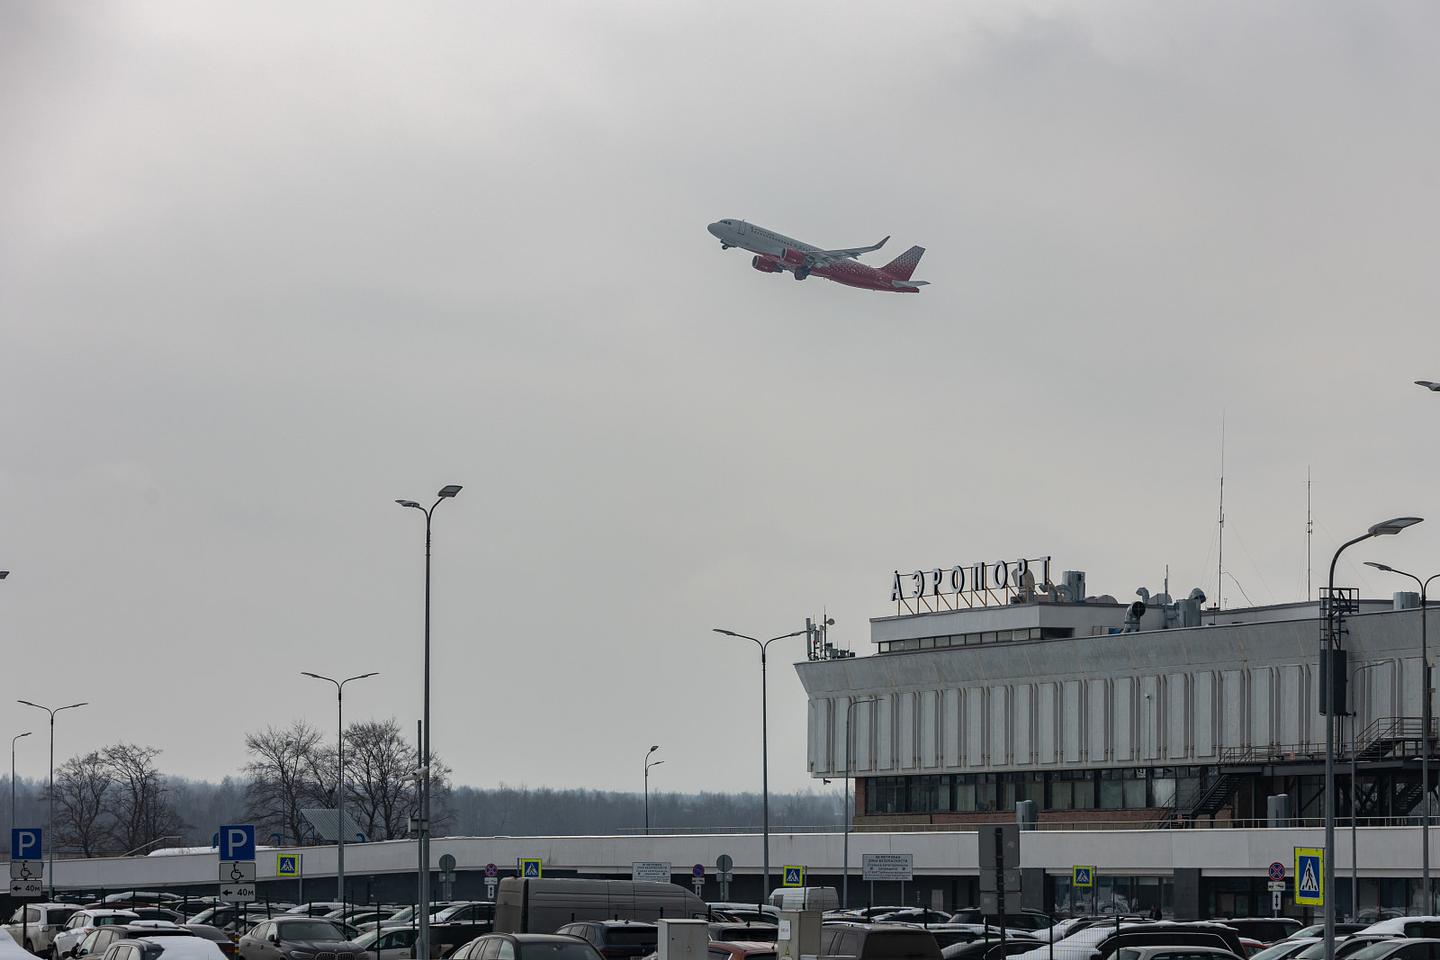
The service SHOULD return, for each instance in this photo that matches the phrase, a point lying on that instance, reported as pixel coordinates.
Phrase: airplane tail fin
(903, 266)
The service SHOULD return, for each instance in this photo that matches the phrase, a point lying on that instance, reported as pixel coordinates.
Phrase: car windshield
(110, 920)
(367, 939)
(1375, 951)
(309, 930)
(579, 950)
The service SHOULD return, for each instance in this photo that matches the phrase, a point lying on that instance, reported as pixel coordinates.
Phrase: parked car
(1286, 949)
(877, 941)
(159, 913)
(1418, 948)
(318, 908)
(1171, 934)
(1019, 920)
(394, 944)
(1407, 927)
(1318, 929)
(35, 925)
(1264, 929)
(760, 913)
(526, 946)
(99, 940)
(472, 911)
(748, 932)
(215, 935)
(1174, 953)
(805, 898)
(987, 950)
(81, 923)
(741, 950)
(446, 938)
(1343, 948)
(920, 915)
(10, 950)
(615, 939)
(293, 938)
(546, 904)
(163, 948)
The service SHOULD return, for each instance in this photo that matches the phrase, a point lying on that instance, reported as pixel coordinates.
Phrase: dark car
(616, 939)
(877, 941)
(1167, 934)
(988, 949)
(296, 938)
(526, 946)
(1265, 929)
(447, 938)
(749, 932)
(1020, 920)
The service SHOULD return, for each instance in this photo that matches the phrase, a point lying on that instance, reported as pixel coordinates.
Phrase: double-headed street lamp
(648, 764)
(339, 775)
(422, 938)
(764, 646)
(1388, 528)
(50, 793)
(1425, 724)
(849, 807)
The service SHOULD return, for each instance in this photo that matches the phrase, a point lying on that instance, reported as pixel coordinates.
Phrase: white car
(81, 922)
(1174, 953)
(395, 944)
(10, 950)
(164, 948)
(35, 925)
(1406, 927)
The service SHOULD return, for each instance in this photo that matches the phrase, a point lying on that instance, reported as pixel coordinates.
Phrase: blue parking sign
(26, 844)
(237, 841)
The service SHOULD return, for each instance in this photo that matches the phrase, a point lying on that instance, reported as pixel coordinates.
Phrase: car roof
(536, 937)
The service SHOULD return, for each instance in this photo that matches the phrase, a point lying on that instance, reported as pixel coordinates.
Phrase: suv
(616, 938)
(296, 938)
(1265, 929)
(98, 941)
(81, 923)
(868, 941)
(35, 925)
(163, 948)
(526, 946)
(1020, 920)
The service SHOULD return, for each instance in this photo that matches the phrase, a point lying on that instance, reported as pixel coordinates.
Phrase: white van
(805, 898)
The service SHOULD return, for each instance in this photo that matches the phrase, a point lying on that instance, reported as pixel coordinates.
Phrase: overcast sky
(266, 267)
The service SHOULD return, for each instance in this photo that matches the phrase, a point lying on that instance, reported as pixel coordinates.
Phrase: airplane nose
(714, 229)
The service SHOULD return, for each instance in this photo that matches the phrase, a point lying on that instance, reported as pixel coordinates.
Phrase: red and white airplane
(775, 254)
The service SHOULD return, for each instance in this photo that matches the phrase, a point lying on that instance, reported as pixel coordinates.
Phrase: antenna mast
(1309, 536)
(1220, 561)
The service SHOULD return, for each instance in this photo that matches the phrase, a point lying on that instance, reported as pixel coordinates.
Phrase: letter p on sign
(25, 843)
(237, 842)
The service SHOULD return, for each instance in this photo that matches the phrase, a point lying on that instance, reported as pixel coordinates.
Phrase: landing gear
(726, 246)
(801, 273)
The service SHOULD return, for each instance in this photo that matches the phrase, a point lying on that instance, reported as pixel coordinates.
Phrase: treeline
(117, 800)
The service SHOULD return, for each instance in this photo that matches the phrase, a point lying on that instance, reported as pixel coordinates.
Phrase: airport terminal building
(994, 684)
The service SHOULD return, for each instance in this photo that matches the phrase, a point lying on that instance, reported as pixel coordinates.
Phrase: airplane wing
(830, 256)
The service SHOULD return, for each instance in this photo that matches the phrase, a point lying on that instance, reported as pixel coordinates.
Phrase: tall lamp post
(764, 646)
(1425, 725)
(1388, 528)
(648, 764)
(12, 774)
(422, 938)
(50, 792)
(339, 775)
(849, 806)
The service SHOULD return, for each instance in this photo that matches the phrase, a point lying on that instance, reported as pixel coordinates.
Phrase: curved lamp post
(1387, 528)
(422, 938)
(648, 764)
(50, 792)
(339, 776)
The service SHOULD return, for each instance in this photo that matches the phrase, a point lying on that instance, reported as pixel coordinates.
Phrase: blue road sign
(237, 841)
(793, 876)
(1082, 876)
(25, 844)
(531, 868)
(1310, 876)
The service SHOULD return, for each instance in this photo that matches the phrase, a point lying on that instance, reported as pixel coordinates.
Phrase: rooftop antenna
(1220, 561)
(1309, 536)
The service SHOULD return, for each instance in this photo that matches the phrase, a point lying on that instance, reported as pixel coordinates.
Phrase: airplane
(776, 254)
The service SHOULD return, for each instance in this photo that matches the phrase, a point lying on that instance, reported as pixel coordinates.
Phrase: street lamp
(648, 765)
(1425, 724)
(849, 809)
(1387, 528)
(12, 773)
(50, 793)
(339, 776)
(422, 938)
(764, 745)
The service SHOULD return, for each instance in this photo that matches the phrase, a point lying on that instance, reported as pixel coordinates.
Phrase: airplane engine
(793, 257)
(765, 264)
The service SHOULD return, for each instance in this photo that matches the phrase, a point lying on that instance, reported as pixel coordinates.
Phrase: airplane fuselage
(776, 253)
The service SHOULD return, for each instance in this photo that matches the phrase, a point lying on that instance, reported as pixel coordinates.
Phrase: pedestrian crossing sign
(1310, 876)
(793, 877)
(287, 865)
(1082, 876)
(531, 869)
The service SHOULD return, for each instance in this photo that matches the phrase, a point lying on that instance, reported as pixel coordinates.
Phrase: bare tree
(82, 791)
(379, 774)
(282, 774)
(139, 801)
